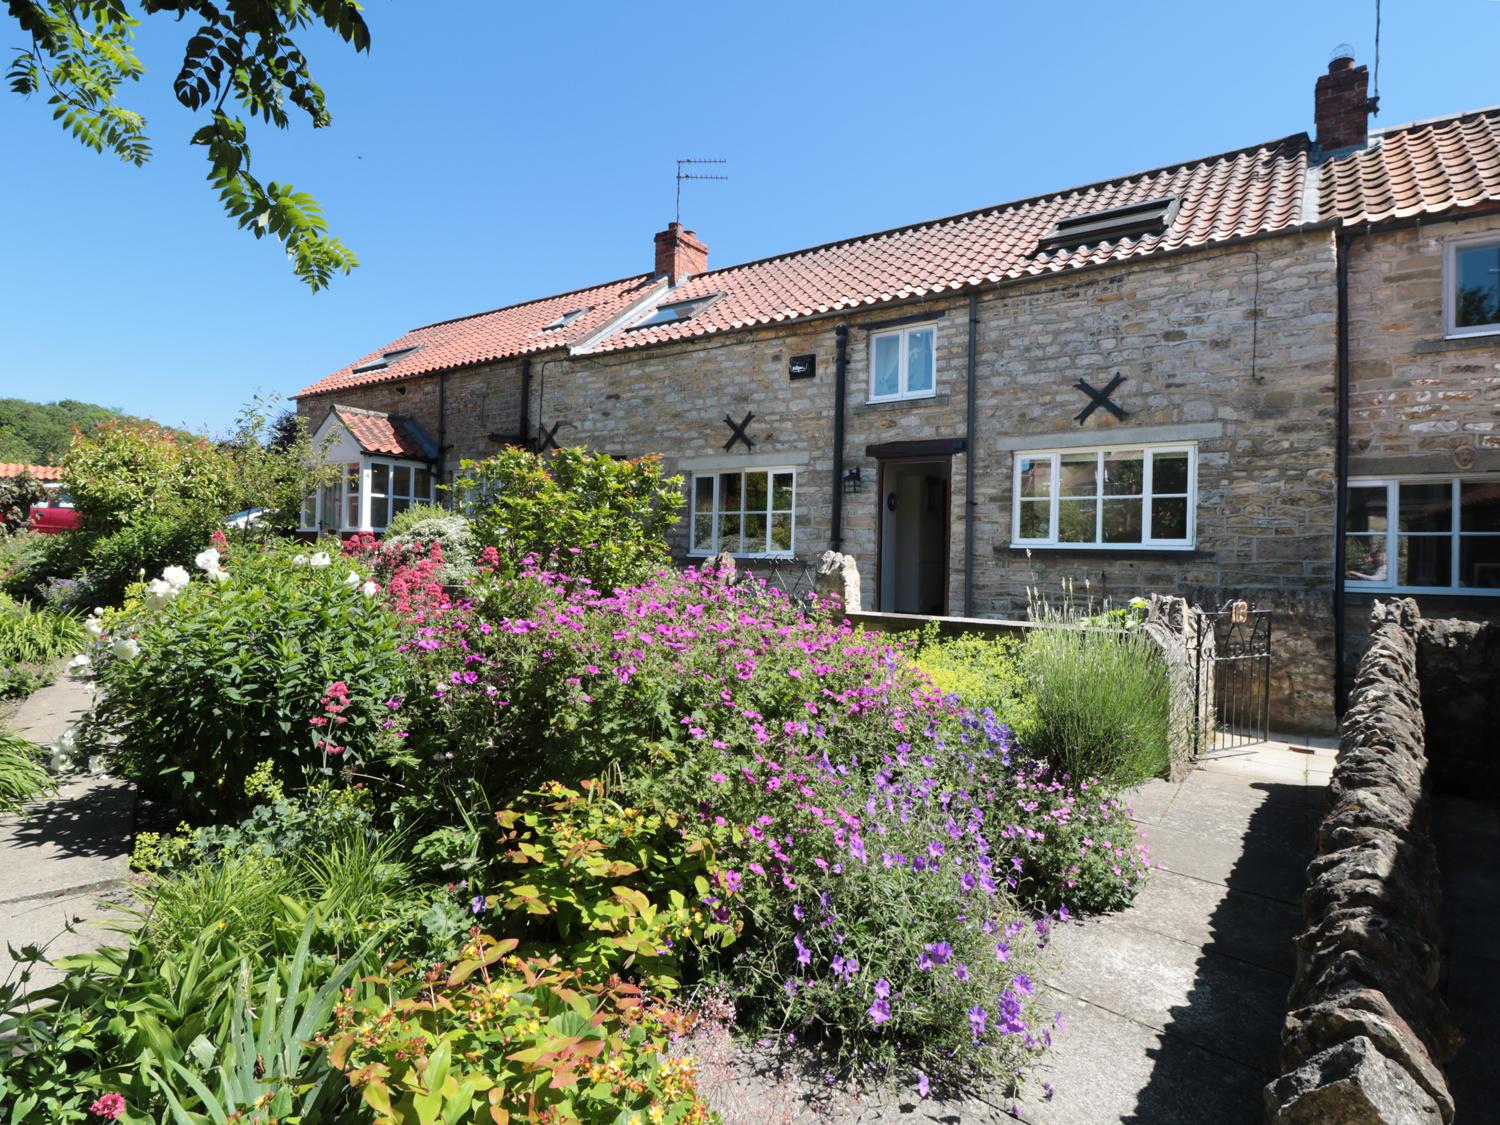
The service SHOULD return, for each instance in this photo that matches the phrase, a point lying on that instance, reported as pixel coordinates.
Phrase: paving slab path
(1172, 1009)
(64, 862)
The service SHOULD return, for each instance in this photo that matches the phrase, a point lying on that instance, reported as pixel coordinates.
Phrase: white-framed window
(1133, 496)
(1429, 534)
(394, 487)
(903, 363)
(366, 494)
(743, 511)
(1471, 285)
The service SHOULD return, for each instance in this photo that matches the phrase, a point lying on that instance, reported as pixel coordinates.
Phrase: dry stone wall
(1367, 1034)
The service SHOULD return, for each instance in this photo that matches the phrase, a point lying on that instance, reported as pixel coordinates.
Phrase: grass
(22, 777)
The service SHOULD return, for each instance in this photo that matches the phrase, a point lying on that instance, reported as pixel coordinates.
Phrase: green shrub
(1101, 703)
(282, 661)
(506, 1039)
(31, 643)
(119, 558)
(17, 495)
(451, 531)
(984, 672)
(583, 514)
(22, 776)
(608, 888)
(28, 561)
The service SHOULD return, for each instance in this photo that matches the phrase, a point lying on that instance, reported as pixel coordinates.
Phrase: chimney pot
(679, 254)
(1342, 105)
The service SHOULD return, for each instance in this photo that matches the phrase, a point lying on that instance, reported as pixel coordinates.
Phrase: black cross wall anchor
(739, 432)
(1100, 398)
(547, 439)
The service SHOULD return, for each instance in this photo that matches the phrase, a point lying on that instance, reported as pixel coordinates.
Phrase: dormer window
(676, 311)
(385, 360)
(1131, 221)
(566, 319)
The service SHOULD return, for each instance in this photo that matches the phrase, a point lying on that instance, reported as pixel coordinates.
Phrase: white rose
(321, 559)
(300, 560)
(176, 577)
(126, 648)
(94, 626)
(158, 593)
(208, 560)
(217, 575)
(352, 579)
(78, 663)
(369, 589)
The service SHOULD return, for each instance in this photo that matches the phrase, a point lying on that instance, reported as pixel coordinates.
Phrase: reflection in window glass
(1125, 497)
(1476, 292)
(746, 512)
(1446, 535)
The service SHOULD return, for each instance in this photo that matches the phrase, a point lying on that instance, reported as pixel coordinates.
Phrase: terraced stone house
(1166, 381)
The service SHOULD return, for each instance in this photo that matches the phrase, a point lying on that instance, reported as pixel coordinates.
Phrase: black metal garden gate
(1233, 674)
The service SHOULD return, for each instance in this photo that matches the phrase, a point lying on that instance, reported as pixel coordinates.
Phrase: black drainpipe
(840, 381)
(970, 452)
(1341, 243)
(525, 419)
(442, 434)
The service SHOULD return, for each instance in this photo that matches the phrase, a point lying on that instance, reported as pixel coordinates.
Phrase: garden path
(66, 859)
(1172, 1009)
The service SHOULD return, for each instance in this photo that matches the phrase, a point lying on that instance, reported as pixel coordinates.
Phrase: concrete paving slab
(48, 713)
(1149, 802)
(61, 926)
(1272, 872)
(1291, 785)
(1219, 1003)
(1230, 922)
(1233, 810)
(78, 839)
(1105, 1068)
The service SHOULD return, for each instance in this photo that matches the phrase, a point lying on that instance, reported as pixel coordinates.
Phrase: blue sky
(483, 154)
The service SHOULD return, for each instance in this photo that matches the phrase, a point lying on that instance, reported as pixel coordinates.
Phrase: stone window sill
(939, 399)
(1120, 554)
(1489, 340)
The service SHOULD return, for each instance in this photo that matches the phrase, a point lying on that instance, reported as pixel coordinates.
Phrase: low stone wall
(1367, 1033)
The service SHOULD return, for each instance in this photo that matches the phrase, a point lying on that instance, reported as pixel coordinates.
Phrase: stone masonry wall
(1367, 1034)
(1414, 397)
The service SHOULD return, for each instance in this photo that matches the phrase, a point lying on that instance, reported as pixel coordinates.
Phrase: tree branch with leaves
(241, 62)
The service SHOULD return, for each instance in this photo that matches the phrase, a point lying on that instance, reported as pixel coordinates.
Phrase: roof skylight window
(566, 319)
(1131, 221)
(675, 312)
(385, 360)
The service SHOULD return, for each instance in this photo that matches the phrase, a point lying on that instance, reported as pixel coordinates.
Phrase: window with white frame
(744, 512)
(394, 487)
(367, 494)
(1423, 534)
(1471, 286)
(902, 363)
(1133, 496)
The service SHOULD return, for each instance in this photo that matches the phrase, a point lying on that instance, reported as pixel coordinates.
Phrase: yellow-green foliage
(983, 672)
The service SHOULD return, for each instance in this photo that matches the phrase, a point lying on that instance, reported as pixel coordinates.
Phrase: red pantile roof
(41, 472)
(381, 433)
(1425, 168)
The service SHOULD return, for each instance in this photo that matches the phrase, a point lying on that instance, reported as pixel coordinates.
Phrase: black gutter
(969, 455)
(840, 389)
(1341, 249)
(524, 425)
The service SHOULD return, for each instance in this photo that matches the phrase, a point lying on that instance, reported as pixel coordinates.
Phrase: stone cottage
(1165, 381)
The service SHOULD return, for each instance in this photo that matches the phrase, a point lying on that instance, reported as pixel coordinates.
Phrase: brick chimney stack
(679, 254)
(1342, 105)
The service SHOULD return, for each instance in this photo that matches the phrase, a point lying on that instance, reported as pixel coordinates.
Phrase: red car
(55, 516)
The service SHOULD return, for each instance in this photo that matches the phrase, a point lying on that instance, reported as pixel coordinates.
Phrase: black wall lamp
(853, 482)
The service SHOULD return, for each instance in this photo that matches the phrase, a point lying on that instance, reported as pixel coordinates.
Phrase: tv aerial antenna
(689, 161)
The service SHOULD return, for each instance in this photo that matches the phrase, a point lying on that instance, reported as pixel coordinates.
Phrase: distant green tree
(39, 433)
(242, 53)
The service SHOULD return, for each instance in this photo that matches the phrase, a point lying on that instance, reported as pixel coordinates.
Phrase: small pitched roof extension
(10, 469)
(385, 434)
(1434, 166)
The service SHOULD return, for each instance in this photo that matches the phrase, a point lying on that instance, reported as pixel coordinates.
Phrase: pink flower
(111, 1106)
